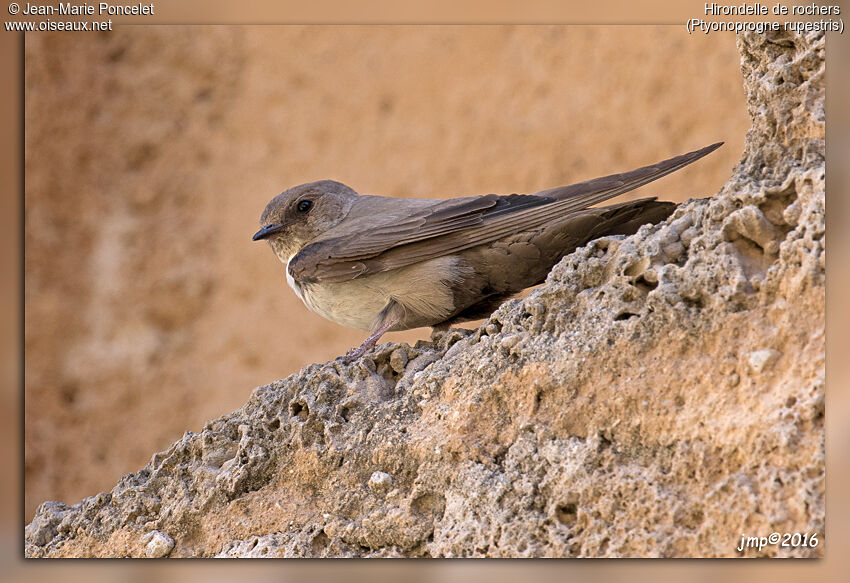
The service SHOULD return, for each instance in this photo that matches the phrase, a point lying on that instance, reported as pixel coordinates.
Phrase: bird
(383, 264)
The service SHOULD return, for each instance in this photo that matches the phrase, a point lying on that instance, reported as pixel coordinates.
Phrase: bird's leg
(388, 318)
(370, 342)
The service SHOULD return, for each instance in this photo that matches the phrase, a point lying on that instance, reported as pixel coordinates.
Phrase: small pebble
(772, 247)
(791, 214)
(380, 482)
(509, 342)
(398, 360)
(159, 544)
(681, 224)
(762, 359)
(674, 250)
(667, 236)
(688, 235)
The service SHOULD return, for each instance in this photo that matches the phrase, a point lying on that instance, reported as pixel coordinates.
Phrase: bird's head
(301, 214)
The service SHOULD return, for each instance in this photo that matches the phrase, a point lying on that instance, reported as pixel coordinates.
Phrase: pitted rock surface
(659, 395)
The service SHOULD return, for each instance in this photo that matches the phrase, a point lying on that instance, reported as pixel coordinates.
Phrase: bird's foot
(356, 353)
(367, 345)
(372, 340)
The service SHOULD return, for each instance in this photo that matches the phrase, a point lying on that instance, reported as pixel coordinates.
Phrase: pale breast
(352, 303)
(422, 289)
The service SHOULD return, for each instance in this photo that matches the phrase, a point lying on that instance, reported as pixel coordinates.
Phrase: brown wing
(454, 225)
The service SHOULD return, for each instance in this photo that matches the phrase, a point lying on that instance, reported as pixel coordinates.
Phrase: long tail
(590, 192)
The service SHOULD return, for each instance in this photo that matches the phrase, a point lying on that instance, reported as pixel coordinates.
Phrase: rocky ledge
(659, 395)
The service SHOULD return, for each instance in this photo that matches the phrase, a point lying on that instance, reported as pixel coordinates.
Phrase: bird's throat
(284, 248)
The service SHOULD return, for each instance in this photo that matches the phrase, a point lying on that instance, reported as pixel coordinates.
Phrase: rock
(509, 342)
(398, 360)
(380, 482)
(624, 424)
(761, 359)
(158, 544)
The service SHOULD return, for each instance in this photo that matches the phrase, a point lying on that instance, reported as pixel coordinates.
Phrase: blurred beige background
(150, 153)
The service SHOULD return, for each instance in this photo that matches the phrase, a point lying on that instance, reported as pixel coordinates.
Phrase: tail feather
(589, 192)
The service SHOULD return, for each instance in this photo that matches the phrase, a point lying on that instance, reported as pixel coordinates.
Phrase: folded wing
(391, 240)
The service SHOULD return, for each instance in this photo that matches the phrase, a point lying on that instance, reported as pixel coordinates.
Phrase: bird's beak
(266, 232)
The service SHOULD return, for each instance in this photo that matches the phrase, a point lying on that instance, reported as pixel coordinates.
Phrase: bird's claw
(354, 354)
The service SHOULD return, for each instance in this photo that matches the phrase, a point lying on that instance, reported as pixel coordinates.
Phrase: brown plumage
(380, 264)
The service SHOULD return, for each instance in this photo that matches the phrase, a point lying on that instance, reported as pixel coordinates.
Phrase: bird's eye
(304, 206)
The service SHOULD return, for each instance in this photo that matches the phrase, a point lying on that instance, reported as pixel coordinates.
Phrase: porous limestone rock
(157, 544)
(616, 411)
